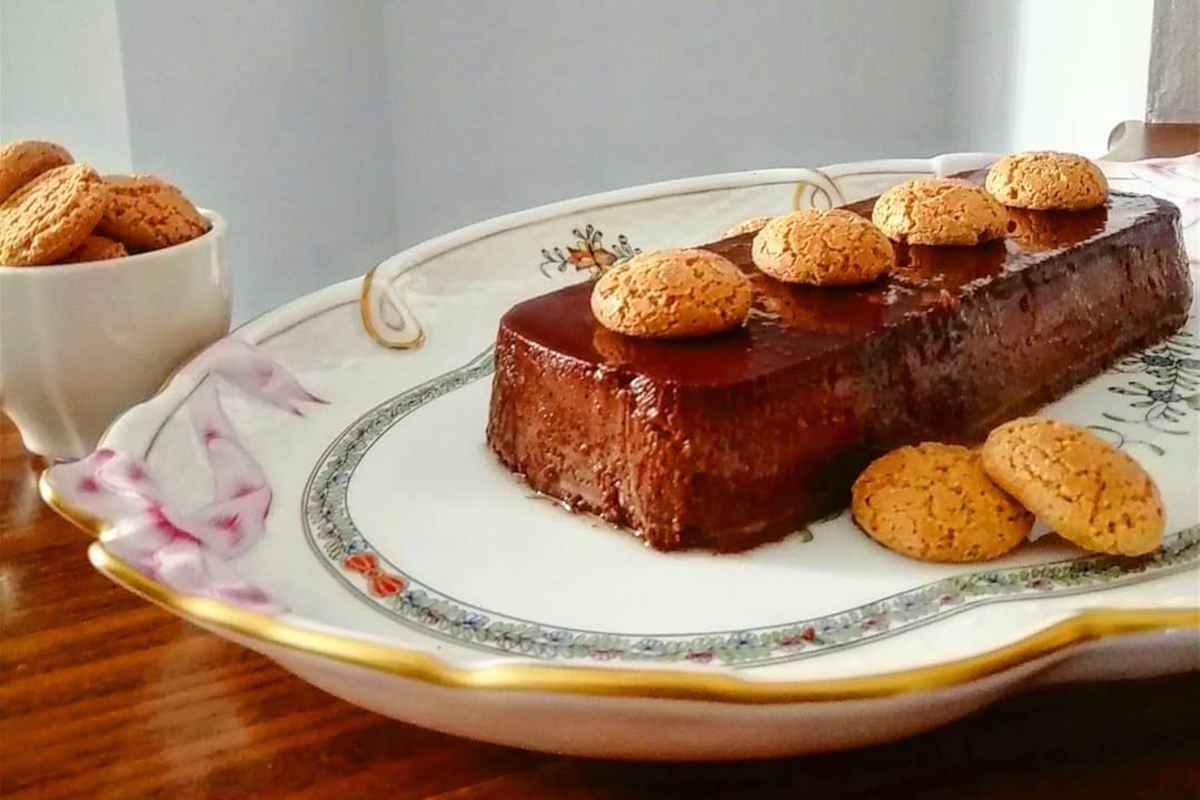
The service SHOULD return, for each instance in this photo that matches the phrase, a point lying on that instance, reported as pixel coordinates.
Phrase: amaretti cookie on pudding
(1047, 180)
(822, 248)
(939, 211)
(672, 294)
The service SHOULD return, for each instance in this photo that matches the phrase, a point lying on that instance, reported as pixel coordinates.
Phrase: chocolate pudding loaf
(735, 439)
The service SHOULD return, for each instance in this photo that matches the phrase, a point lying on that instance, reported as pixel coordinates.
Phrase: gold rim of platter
(1087, 626)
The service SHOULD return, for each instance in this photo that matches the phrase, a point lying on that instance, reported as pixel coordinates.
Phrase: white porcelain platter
(316, 487)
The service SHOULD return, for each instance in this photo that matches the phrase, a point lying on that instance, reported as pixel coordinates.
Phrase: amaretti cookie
(147, 213)
(940, 211)
(96, 248)
(24, 160)
(671, 294)
(1088, 491)
(51, 215)
(823, 248)
(935, 503)
(1047, 180)
(751, 225)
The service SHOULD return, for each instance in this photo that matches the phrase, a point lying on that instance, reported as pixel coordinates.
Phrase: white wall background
(499, 106)
(1081, 66)
(333, 133)
(275, 113)
(61, 78)
(1048, 74)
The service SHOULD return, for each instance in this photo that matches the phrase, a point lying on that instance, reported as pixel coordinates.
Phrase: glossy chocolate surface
(791, 323)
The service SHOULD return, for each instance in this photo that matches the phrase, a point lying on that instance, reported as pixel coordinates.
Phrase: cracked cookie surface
(96, 248)
(751, 225)
(24, 160)
(823, 248)
(1088, 491)
(671, 294)
(940, 211)
(1045, 180)
(147, 213)
(933, 502)
(51, 215)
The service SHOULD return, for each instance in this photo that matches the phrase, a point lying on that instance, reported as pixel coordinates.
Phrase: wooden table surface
(105, 696)
(1133, 140)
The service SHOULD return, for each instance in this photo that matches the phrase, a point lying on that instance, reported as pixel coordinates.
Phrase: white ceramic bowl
(80, 343)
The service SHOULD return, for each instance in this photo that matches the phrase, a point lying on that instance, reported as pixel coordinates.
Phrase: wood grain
(1133, 140)
(104, 696)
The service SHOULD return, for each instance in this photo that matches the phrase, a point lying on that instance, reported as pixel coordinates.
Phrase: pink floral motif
(255, 373)
(191, 551)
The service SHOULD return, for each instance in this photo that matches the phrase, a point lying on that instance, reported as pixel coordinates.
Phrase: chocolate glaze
(730, 440)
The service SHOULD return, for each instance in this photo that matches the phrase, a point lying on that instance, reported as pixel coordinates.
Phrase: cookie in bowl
(51, 215)
(147, 213)
(96, 315)
(24, 160)
(95, 248)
